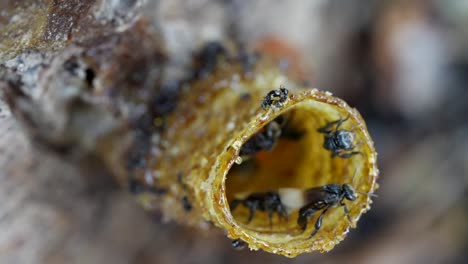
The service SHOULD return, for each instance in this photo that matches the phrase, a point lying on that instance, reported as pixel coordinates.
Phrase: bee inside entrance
(288, 153)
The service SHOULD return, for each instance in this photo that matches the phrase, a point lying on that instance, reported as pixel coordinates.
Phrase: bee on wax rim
(275, 98)
(338, 141)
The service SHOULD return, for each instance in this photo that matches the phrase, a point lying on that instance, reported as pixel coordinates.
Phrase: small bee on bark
(275, 98)
(269, 202)
(339, 141)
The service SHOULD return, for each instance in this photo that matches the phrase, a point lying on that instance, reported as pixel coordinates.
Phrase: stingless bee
(320, 198)
(269, 202)
(306, 201)
(275, 98)
(338, 141)
(263, 140)
(268, 136)
(238, 244)
(324, 198)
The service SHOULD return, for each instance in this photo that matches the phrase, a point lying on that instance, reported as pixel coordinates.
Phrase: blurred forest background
(402, 64)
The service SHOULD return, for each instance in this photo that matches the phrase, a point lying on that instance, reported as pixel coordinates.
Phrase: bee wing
(316, 195)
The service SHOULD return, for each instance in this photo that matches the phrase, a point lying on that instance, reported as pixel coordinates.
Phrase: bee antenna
(346, 117)
(369, 194)
(354, 176)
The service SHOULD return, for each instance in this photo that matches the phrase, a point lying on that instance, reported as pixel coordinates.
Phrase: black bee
(263, 140)
(275, 97)
(338, 141)
(266, 139)
(238, 244)
(324, 198)
(264, 201)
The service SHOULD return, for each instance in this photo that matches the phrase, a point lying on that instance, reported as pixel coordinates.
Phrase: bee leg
(266, 103)
(318, 223)
(282, 212)
(270, 216)
(234, 203)
(268, 100)
(304, 214)
(347, 155)
(328, 127)
(360, 143)
(346, 211)
(252, 209)
(340, 121)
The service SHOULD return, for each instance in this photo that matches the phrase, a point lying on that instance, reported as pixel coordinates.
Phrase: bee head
(349, 192)
(344, 139)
